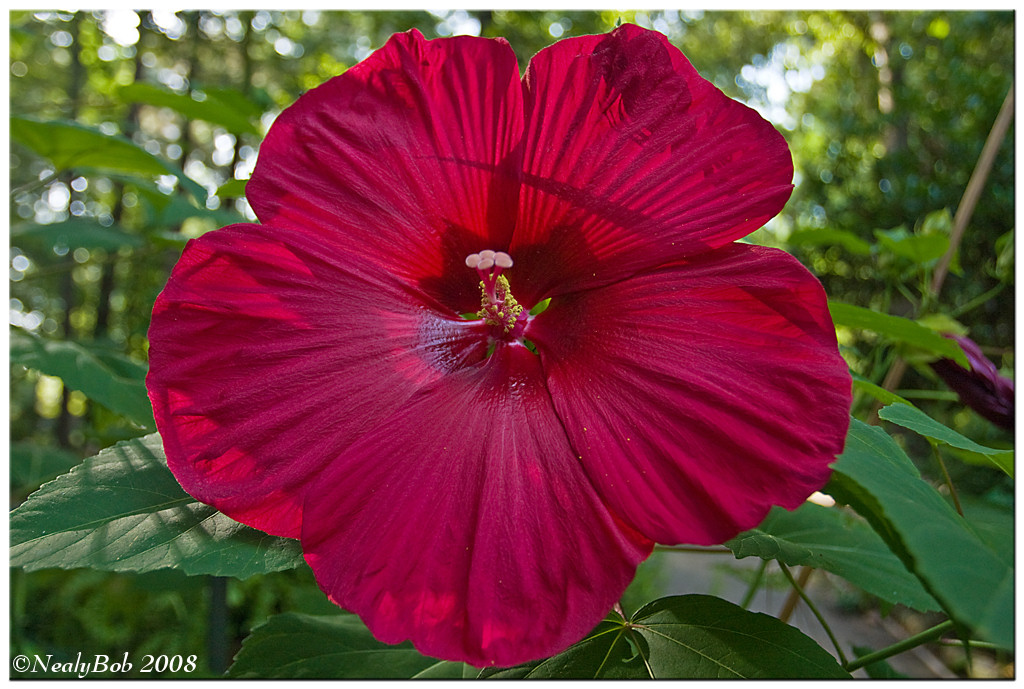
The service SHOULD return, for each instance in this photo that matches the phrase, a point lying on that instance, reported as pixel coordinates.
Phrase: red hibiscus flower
(487, 485)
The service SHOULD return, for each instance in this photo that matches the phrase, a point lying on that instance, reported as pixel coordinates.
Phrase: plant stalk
(978, 301)
(794, 595)
(949, 481)
(974, 188)
(910, 642)
(692, 549)
(754, 585)
(814, 609)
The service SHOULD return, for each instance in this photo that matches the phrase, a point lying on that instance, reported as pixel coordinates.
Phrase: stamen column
(498, 307)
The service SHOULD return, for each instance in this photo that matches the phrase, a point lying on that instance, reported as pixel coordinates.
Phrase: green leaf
(83, 370)
(517, 672)
(836, 541)
(540, 307)
(606, 653)
(919, 422)
(294, 645)
(73, 233)
(123, 511)
(69, 145)
(178, 210)
(938, 222)
(251, 104)
(691, 637)
(993, 523)
(1005, 253)
(199, 105)
(942, 323)
(918, 249)
(971, 582)
(233, 188)
(1003, 460)
(877, 391)
(105, 351)
(897, 329)
(830, 237)
(446, 669)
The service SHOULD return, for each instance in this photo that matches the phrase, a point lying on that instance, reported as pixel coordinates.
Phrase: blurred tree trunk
(890, 76)
(246, 87)
(76, 76)
(109, 267)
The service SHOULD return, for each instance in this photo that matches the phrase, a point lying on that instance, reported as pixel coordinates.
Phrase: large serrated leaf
(971, 582)
(691, 637)
(605, 653)
(294, 645)
(123, 511)
(833, 540)
(96, 376)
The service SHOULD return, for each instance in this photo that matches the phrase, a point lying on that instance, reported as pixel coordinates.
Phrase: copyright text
(82, 667)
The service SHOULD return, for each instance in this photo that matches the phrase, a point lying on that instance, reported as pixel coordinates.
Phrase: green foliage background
(886, 114)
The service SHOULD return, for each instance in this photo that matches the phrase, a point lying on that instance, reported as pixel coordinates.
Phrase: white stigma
(487, 259)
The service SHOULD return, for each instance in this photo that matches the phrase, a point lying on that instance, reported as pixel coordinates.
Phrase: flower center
(498, 308)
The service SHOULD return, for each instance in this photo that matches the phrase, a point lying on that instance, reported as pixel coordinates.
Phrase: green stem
(897, 648)
(973, 644)
(692, 549)
(978, 301)
(927, 298)
(37, 184)
(815, 611)
(949, 481)
(909, 296)
(754, 585)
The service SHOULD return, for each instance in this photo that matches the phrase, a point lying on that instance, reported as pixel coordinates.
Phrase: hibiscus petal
(412, 154)
(269, 354)
(700, 394)
(633, 160)
(465, 523)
